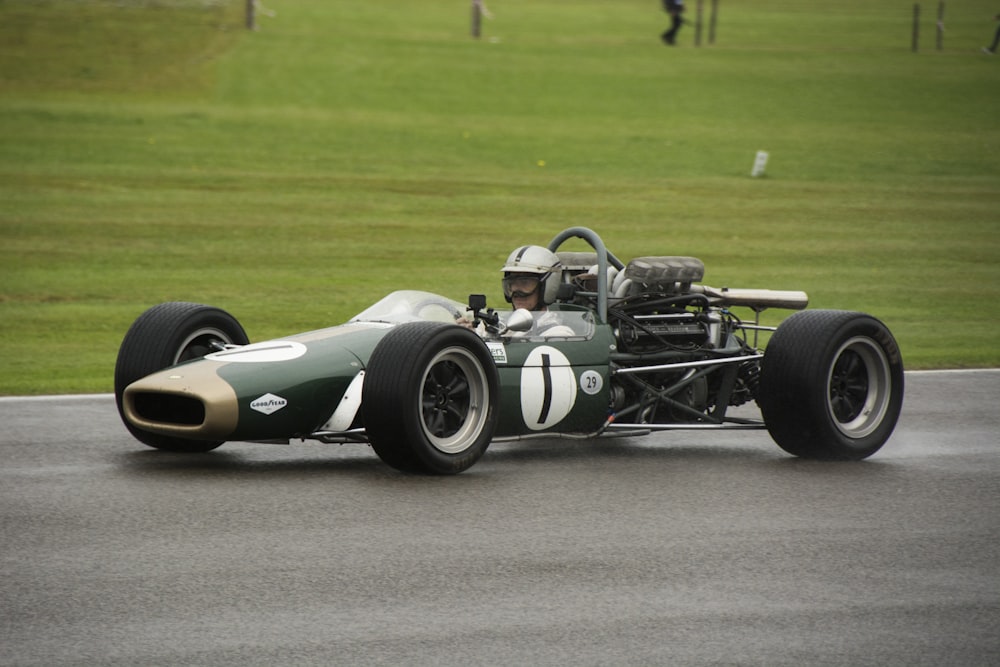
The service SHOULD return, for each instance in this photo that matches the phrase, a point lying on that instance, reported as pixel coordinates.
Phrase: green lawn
(154, 151)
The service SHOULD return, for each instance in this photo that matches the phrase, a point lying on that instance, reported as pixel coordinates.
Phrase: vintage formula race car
(639, 346)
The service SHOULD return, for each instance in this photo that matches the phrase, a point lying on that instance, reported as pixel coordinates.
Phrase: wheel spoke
(427, 402)
(437, 425)
(457, 413)
(453, 390)
(849, 387)
(857, 395)
(852, 366)
(458, 386)
(843, 408)
(445, 399)
(443, 374)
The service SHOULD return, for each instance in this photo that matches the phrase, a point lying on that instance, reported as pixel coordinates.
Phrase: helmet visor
(520, 286)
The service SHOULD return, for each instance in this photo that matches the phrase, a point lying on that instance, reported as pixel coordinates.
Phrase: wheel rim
(202, 342)
(859, 387)
(453, 397)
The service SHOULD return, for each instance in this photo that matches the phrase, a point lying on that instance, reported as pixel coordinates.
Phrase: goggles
(520, 286)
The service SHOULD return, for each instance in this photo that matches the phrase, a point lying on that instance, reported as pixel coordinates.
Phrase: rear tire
(430, 398)
(831, 385)
(163, 336)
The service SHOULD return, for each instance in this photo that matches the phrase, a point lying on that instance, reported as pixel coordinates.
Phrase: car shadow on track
(501, 459)
(255, 460)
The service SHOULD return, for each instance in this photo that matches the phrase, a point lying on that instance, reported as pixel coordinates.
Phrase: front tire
(430, 398)
(163, 336)
(831, 385)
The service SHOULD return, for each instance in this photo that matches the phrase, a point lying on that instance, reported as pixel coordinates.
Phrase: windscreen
(412, 306)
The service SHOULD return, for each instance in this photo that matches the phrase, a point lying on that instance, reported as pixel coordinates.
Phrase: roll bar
(603, 258)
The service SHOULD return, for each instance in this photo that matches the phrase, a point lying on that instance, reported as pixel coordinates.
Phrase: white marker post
(477, 18)
(759, 164)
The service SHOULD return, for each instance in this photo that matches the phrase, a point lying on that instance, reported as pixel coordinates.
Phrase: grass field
(154, 151)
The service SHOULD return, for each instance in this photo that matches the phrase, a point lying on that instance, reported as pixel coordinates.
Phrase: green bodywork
(313, 384)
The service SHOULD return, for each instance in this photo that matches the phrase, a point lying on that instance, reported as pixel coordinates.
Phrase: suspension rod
(687, 364)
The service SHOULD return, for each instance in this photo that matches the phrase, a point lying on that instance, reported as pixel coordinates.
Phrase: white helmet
(534, 259)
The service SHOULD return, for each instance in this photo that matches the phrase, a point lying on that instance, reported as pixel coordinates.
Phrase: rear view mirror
(520, 320)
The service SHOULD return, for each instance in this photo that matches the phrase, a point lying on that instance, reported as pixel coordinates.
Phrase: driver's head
(531, 277)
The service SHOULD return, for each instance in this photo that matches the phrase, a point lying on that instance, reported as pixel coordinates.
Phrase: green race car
(620, 349)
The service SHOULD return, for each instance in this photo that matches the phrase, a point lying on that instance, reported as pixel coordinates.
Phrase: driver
(531, 278)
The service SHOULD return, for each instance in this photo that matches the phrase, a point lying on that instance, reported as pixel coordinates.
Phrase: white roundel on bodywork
(548, 388)
(269, 351)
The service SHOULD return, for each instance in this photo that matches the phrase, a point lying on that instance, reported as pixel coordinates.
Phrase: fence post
(940, 26)
(697, 24)
(477, 18)
(916, 27)
(711, 21)
(251, 15)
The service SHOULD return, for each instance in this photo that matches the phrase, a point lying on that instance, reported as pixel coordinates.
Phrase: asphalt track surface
(685, 548)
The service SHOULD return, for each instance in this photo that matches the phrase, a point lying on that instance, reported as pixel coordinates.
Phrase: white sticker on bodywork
(498, 351)
(591, 382)
(274, 350)
(548, 388)
(268, 404)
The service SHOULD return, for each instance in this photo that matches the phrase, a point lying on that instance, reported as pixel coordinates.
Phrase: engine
(659, 319)
(672, 330)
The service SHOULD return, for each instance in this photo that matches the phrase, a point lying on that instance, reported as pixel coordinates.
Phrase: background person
(676, 10)
(992, 48)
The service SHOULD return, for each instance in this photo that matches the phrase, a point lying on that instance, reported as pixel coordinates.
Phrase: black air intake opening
(169, 408)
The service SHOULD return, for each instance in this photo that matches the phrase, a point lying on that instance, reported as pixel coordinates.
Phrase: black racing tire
(831, 385)
(168, 334)
(430, 398)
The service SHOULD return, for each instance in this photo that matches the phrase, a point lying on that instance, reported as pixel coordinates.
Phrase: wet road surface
(684, 548)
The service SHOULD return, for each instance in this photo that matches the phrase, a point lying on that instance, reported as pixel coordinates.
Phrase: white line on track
(71, 397)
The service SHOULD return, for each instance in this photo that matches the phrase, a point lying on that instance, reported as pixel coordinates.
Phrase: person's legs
(675, 24)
